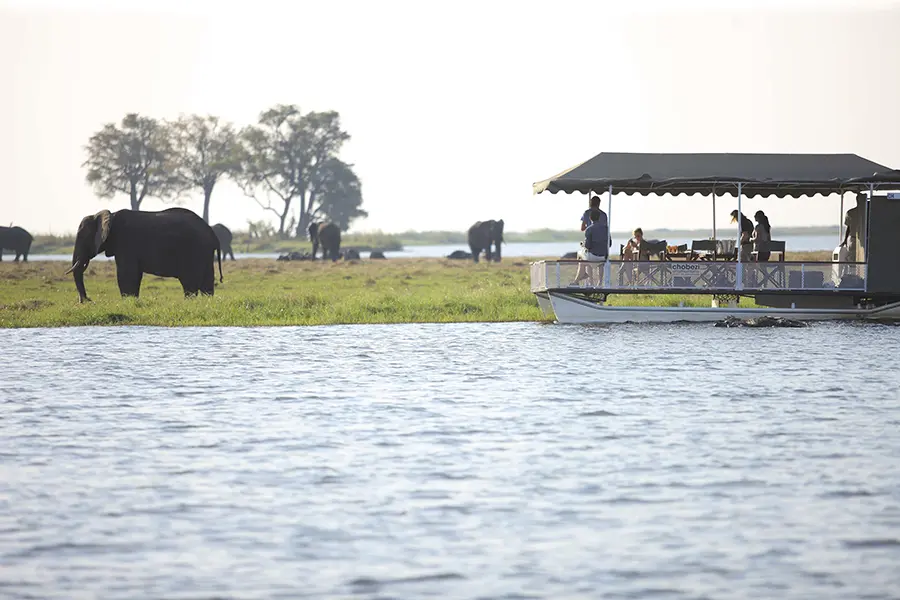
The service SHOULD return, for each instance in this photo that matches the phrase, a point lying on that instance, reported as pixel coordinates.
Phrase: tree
(340, 194)
(284, 160)
(134, 159)
(204, 150)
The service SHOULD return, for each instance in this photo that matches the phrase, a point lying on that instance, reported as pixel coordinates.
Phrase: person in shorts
(595, 247)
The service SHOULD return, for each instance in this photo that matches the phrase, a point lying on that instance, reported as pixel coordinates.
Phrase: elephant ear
(102, 219)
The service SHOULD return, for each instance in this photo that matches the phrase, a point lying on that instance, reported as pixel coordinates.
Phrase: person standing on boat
(762, 235)
(746, 233)
(595, 247)
(594, 203)
(854, 237)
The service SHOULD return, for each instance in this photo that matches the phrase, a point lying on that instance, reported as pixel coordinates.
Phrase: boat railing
(725, 277)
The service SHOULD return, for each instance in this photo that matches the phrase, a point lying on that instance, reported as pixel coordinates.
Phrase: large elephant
(17, 240)
(328, 235)
(483, 235)
(225, 237)
(170, 243)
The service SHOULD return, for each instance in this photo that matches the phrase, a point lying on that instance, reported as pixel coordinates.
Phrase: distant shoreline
(367, 241)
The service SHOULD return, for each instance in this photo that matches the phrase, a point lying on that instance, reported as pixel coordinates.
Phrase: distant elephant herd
(178, 243)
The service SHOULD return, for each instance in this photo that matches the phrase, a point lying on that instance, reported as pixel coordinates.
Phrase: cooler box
(840, 255)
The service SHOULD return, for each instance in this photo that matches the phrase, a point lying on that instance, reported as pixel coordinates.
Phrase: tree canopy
(134, 159)
(288, 162)
(204, 150)
(340, 195)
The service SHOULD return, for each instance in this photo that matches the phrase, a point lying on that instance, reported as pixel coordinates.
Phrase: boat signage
(893, 196)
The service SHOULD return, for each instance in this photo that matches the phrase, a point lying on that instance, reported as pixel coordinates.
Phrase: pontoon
(864, 286)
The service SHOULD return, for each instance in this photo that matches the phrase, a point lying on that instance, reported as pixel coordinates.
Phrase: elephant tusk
(73, 267)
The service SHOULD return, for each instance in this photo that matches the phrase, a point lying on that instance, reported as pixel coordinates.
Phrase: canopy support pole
(714, 212)
(606, 269)
(866, 225)
(841, 220)
(739, 272)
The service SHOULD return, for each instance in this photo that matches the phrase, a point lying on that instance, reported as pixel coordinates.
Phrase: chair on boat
(765, 275)
(705, 248)
(650, 274)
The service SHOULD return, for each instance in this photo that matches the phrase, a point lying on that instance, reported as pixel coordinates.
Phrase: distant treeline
(269, 241)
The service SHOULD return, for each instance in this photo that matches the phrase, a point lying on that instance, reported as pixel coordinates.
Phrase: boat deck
(700, 277)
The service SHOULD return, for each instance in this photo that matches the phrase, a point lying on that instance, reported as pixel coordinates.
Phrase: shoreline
(261, 292)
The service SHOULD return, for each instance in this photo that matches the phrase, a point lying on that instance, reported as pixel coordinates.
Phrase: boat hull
(570, 309)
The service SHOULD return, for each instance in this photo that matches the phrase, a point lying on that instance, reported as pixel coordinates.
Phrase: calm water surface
(450, 461)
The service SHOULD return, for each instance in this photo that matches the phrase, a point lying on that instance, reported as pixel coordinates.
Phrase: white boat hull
(570, 309)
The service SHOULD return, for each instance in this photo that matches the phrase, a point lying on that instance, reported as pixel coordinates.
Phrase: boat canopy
(781, 175)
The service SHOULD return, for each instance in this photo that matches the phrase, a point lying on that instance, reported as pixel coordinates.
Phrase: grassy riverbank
(268, 292)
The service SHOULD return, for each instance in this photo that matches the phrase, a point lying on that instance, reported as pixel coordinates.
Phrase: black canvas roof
(760, 174)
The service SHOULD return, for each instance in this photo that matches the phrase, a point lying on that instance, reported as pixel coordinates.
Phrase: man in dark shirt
(594, 203)
(596, 243)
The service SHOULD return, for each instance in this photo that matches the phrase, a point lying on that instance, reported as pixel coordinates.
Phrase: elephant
(329, 236)
(352, 254)
(224, 235)
(16, 239)
(376, 255)
(174, 242)
(484, 234)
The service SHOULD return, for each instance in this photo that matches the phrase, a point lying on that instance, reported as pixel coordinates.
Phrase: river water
(450, 461)
(800, 243)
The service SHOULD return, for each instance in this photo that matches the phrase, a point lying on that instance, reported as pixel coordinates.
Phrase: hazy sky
(454, 108)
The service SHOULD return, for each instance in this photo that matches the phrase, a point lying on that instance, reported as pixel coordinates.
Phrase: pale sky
(454, 108)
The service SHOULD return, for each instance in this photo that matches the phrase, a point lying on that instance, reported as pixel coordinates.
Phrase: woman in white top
(632, 249)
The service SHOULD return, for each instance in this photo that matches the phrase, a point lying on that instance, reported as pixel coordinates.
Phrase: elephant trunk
(77, 270)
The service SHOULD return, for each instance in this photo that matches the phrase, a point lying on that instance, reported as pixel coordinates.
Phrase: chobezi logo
(685, 267)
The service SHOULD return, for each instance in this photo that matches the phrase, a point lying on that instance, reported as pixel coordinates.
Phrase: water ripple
(409, 461)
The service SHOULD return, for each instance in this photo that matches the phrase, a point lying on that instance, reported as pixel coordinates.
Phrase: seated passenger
(595, 247)
(632, 249)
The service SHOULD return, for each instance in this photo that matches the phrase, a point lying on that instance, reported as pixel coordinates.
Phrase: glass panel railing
(687, 276)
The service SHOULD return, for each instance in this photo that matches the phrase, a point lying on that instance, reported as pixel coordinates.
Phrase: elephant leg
(189, 285)
(16, 259)
(129, 278)
(208, 281)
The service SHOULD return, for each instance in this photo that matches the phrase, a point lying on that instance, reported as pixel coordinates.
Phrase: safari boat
(865, 285)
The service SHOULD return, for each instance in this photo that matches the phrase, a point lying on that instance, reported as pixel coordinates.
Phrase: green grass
(265, 292)
(268, 292)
